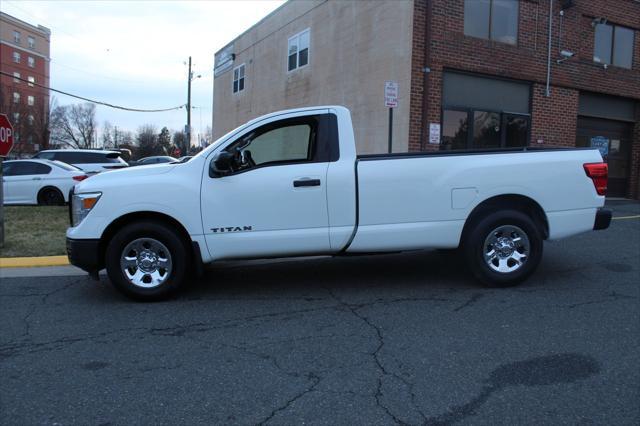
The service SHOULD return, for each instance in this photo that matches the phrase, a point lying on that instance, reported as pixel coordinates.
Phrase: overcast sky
(133, 53)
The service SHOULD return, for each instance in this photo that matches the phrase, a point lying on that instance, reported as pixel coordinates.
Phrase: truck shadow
(400, 270)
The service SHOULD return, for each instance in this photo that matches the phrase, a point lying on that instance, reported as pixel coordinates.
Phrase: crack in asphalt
(375, 354)
(473, 299)
(43, 300)
(609, 297)
(315, 379)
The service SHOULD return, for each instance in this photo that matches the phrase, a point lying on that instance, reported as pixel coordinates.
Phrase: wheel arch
(46, 188)
(516, 202)
(141, 216)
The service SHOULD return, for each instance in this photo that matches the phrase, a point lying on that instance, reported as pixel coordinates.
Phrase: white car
(41, 182)
(291, 184)
(90, 160)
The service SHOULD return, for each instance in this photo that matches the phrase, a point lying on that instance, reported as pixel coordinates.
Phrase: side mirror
(221, 164)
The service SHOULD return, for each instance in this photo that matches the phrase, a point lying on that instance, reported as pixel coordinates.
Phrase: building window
(31, 100)
(238, 79)
(492, 19)
(298, 50)
(31, 61)
(32, 80)
(31, 42)
(484, 113)
(16, 77)
(16, 37)
(16, 97)
(613, 45)
(455, 129)
(30, 119)
(16, 118)
(16, 57)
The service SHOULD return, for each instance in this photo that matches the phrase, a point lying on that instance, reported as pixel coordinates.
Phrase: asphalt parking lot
(393, 339)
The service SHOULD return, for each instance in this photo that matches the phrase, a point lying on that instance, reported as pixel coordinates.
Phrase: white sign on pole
(391, 94)
(434, 133)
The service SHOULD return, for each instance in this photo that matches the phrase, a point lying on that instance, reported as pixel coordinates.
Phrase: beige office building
(309, 53)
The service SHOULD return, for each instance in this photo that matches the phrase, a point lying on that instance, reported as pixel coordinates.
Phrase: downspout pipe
(547, 92)
(424, 133)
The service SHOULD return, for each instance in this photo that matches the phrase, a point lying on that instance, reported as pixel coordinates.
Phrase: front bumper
(603, 219)
(85, 254)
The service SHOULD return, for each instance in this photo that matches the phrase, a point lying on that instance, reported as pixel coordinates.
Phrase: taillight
(598, 172)
(80, 178)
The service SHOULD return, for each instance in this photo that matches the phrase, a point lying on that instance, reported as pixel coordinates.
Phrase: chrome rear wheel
(506, 249)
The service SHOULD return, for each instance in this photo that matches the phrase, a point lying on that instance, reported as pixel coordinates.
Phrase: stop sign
(6, 136)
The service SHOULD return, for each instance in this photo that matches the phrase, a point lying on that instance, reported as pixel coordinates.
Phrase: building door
(613, 139)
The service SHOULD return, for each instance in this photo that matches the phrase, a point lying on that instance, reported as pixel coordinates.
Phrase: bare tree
(179, 139)
(164, 140)
(74, 125)
(147, 139)
(208, 136)
(108, 135)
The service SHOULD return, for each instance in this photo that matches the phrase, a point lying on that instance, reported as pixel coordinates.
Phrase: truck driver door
(269, 196)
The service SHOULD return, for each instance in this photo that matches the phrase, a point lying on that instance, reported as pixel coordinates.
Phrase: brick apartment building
(24, 54)
(471, 73)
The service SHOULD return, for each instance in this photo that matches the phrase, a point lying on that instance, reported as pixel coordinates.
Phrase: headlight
(81, 205)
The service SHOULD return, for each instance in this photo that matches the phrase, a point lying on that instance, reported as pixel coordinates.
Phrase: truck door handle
(306, 182)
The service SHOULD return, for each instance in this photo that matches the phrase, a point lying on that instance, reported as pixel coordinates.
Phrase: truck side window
(288, 141)
(291, 143)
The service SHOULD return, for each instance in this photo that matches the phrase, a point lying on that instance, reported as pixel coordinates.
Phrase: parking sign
(390, 94)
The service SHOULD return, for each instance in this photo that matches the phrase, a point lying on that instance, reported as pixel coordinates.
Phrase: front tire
(503, 248)
(147, 261)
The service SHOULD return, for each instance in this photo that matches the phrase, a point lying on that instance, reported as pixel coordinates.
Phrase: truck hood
(125, 176)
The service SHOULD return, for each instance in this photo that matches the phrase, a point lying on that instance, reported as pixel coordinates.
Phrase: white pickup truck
(290, 184)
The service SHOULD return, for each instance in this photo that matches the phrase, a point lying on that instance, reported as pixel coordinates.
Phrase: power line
(91, 100)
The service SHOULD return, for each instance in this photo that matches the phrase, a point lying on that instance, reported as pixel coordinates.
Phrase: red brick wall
(40, 72)
(417, 75)
(554, 118)
(634, 184)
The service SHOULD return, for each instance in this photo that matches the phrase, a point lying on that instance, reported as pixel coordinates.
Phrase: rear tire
(503, 248)
(147, 261)
(50, 197)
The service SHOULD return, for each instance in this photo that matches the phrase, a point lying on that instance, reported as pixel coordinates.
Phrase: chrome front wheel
(146, 262)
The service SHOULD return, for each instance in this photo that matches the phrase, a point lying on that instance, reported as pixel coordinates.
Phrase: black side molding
(603, 219)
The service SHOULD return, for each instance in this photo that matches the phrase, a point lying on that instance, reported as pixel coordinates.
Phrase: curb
(30, 262)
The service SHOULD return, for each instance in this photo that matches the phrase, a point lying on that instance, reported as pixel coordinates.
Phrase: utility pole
(188, 129)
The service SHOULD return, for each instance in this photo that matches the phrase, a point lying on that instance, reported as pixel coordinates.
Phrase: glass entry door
(613, 139)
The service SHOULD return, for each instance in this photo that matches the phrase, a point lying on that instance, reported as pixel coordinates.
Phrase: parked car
(89, 160)
(125, 153)
(290, 184)
(42, 182)
(158, 159)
